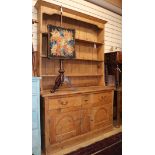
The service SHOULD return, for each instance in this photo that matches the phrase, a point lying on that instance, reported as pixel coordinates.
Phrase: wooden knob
(64, 103)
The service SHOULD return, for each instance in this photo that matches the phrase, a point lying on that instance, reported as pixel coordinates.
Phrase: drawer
(64, 102)
(103, 98)
(86, 99)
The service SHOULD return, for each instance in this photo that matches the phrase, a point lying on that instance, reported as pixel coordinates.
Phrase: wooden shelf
(80, 59)
(89, 49)
(79, 18)
(89, 41)
(49, 75)
(82, 40)
(73, 75)
(89, 60)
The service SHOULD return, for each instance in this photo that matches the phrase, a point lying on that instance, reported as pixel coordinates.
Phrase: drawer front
(102, 98)
(86, 98)
(64, 102)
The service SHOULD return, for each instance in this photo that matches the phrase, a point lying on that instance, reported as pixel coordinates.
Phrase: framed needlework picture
(61, 42)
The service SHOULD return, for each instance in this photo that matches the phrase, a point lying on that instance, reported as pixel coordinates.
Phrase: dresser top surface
(76, 90)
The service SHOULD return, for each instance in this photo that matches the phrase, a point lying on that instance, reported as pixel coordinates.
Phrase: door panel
(101, 116)
(64, 125)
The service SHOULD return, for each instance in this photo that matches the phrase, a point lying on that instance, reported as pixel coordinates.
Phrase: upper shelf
(89, 41)
(52, 9)
(83, 40)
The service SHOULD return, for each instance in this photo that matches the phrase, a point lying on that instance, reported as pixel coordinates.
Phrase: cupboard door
(101, 116)
(63, 125)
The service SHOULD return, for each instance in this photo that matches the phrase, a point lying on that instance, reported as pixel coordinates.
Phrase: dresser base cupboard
(70, 117)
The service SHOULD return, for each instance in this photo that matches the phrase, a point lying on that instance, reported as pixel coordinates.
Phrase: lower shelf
(73, 75)
(97, 60)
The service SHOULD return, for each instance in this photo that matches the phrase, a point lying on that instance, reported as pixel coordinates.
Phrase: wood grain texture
(117, 3)
(85, 109)
(74, 116)
(89, 45)
(114, 21)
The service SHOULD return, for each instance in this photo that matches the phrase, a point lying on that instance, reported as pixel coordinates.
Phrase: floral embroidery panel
(61, 42)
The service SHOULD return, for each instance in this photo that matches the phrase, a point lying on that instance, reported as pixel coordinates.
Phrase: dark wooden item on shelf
(60, 78)
(113, 71)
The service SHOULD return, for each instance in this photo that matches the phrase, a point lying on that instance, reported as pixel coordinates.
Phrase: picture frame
(61, 42)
